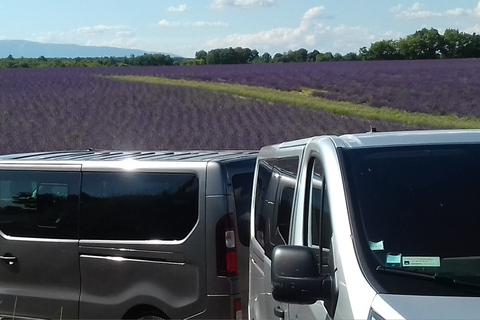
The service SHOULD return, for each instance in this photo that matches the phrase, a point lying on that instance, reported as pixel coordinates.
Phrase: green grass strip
(305, 99)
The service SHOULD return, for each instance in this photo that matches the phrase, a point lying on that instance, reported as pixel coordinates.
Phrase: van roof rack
(117, 155)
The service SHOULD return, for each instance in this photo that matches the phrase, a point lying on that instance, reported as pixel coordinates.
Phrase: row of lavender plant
(429, 86)
(56, 109)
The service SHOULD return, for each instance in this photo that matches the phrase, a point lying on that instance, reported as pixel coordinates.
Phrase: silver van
(367, 226)
(112, 234)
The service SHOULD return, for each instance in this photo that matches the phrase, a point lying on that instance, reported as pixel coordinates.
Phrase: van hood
(390, 306)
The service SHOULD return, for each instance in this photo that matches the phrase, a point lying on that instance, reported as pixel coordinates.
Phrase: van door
(275, 189)
(317, 231)
(39, 273)
(266, 188)
(142, 244)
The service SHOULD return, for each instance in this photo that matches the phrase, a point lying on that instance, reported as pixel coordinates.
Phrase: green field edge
(305, 99)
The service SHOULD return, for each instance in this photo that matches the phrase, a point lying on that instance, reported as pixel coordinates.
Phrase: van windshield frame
(416, 209)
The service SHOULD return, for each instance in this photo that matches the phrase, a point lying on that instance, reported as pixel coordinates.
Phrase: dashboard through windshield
(416, 216)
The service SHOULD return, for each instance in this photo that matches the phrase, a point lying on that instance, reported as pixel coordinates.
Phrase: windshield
(416, 211)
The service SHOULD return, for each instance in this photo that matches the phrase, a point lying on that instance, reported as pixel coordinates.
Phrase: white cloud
(100, 35)
(197, 24)
(313, 14)
(247, 4)
(168, 24)
(99, 29)
(396, 9)
(48, 37)
(206, 24)
(416, 11)
(458, 12)
(124, 34)
(180, 8)
(117, 42)
(309, 34)
(464, 12)
(475, 29)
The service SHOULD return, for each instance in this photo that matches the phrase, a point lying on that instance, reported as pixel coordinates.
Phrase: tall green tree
(201, 55)
(423, 44)
(382, 50)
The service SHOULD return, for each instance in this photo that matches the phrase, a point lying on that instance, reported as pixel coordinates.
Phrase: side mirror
(295, 277)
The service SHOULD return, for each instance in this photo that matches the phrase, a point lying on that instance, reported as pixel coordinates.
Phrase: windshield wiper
(428, 276)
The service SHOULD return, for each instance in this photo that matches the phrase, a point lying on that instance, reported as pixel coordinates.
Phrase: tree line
(423, 44)
(42, 62)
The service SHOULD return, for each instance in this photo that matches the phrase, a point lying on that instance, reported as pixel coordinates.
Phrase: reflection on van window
(119, 206)
(273, 201)
(39, 204)
(419, 211)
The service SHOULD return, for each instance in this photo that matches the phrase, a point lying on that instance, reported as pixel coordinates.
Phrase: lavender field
(428, 86)
(77, 108)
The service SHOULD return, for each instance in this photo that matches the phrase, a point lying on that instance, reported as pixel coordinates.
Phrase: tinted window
(273, 204)
(242, 189)
(138, 206)
(39, 204)
(284, 215)
(417, 211)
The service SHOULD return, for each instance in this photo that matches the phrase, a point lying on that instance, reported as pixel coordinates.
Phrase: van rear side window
(39, 204)
(138, 206)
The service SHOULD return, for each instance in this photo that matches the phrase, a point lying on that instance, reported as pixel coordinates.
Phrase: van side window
(273, 204)
(138, 206)
(39, 204)
(284, 215)
(317, 213)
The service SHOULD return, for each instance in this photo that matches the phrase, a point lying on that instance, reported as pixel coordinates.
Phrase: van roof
(115, 155)
(398, 138)
(390, 138)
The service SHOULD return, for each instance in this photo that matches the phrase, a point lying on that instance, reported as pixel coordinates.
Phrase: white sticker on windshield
(376, 246)
(420, 261)
(394, 259)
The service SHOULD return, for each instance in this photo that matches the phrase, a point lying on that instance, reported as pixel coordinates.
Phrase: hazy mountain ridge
(30, 49)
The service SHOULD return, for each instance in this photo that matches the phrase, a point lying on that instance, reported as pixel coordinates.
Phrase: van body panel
(384, 201)
(43, 280)
(175, 288)
(223, 285)
(349, 277)
(215, 182)
(173, 273)
(141, 166)
(240, 190)
(390, 306)
(112, 274)
(261, 303)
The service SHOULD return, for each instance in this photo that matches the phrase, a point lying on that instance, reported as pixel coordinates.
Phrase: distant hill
(30, 49)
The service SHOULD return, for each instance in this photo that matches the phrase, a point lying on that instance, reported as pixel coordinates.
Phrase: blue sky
(185, 27)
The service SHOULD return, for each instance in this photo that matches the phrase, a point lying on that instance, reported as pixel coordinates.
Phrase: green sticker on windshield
(376, 246)
(394, 259)
(420, 261)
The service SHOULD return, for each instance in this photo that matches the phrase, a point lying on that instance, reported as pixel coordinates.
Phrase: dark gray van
(112, 234)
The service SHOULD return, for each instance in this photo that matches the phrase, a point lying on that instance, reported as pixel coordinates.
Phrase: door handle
(8, 259)
(279, 312)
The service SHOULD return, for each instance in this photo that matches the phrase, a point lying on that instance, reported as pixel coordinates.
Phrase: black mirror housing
(295, 277)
